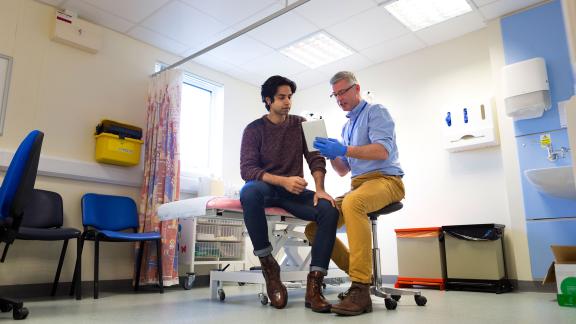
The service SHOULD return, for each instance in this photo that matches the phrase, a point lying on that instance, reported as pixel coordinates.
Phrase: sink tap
(554, 155)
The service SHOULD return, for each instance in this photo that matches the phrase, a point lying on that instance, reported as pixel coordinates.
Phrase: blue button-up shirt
(367, 124)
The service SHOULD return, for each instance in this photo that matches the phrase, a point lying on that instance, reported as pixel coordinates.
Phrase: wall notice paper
(313, 129)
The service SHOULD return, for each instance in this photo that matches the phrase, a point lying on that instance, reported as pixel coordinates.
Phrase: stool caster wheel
(20, 313)
(396, 297)
(420, 300)
(391, 304)
(188, 282)
(221, 294)
(263, 299)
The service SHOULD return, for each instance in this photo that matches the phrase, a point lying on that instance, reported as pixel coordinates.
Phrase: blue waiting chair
(106, 219)
(15, 193)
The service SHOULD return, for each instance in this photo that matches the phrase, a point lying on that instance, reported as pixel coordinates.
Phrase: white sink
(556, 181)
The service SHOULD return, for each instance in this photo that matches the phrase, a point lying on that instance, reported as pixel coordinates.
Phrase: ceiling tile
(183, 23)
(368, 29)
(213, 63)
(155, 39)
(274, 63)
(98, 16)
(240, 50)
(310, 78)
(210, 40)
(503, 7)
(231, 12)
(248, 76)
(325, 13)
(452, 28)
(393, 48)
(481, 3)
(283, 30)
(354, 63)
(133, 10)
(55, 3)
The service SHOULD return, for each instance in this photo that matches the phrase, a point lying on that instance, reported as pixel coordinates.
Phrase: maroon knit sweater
(276, 149)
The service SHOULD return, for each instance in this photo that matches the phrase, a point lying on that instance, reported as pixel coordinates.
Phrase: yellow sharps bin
(112, 149)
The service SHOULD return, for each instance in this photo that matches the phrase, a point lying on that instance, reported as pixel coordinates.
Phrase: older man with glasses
(368, 150)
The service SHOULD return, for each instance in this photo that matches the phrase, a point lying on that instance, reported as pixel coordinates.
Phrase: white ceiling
(183, 27)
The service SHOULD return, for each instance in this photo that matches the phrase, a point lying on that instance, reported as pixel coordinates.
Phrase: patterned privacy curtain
(161, 174)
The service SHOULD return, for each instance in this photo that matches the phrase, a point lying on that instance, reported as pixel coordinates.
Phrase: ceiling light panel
(419, 14)
(316, 50)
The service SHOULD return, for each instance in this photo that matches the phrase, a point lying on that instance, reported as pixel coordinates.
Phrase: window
(200, 135)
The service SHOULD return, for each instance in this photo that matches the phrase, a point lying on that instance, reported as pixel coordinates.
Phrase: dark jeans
(257, 195)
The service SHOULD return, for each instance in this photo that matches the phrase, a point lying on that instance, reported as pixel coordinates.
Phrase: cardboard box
(563, 272)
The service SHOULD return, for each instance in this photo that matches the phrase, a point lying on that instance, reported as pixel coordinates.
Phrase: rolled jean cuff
(263, 252)
(315, 268)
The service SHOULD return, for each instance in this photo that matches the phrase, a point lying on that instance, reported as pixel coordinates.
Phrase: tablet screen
(313, 129)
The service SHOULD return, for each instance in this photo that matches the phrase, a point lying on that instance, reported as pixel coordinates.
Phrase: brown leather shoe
(314, 297)
(356, 302)
(276, 290)
(343, 294)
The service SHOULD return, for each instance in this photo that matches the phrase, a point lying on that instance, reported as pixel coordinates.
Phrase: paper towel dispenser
(526, 89)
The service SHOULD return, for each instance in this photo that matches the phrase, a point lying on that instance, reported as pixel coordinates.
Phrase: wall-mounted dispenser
(526, 89)
(70, 30)
(469, 127)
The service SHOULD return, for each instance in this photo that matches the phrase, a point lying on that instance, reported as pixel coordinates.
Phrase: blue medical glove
(329, 147)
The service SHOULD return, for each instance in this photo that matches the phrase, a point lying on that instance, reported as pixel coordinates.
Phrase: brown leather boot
(356, 302)
(343, 294)
(314, 297)
(277, 293)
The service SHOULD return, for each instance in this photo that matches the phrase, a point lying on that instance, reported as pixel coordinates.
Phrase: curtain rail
(235, 35)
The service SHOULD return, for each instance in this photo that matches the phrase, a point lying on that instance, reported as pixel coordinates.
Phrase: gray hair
(344, 75)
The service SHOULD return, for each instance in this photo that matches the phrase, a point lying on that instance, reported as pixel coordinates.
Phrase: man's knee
(251, 192)
(353, 202)
(329, 212)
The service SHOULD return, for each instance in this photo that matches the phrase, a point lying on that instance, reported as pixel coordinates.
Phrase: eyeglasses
(341, 92)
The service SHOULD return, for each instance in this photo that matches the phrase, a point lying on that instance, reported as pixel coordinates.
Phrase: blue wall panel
(533, 156)
(539, 32)
(542, 234)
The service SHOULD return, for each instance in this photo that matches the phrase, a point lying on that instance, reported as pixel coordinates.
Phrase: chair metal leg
(159, 260)
(59, 269)
(5, 252)
(77, 278)
(139, 265)
(390, 295)
(96, 258)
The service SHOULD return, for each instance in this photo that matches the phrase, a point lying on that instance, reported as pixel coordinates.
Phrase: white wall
(442, 188)
(65, 92)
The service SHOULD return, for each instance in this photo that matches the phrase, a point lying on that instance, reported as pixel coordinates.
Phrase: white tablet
(313, 129)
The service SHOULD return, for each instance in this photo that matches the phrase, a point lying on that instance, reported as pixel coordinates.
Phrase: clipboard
(313, 129)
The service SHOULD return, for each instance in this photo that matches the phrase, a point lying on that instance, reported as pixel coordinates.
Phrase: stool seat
(393, 207)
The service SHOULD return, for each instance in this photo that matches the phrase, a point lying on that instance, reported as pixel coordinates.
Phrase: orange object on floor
(405, 282)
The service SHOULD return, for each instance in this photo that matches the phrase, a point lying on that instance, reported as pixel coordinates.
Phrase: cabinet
(209, 241)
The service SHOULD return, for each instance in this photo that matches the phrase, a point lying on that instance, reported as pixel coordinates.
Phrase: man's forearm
(319, 180)
(273, 179)
(372, 151)
(339, 166)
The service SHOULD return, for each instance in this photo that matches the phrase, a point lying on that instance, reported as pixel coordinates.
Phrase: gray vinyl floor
(242, 306)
